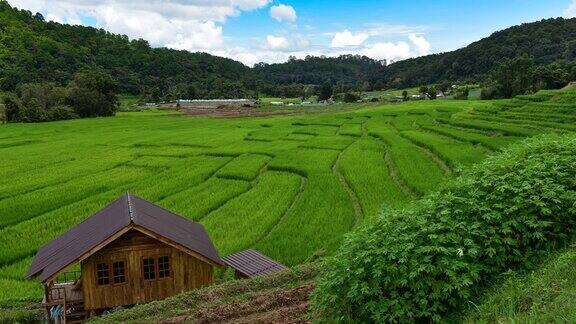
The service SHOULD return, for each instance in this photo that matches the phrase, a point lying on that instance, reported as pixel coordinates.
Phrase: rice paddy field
(290, 186)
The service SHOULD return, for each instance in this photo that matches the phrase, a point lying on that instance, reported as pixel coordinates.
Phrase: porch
(63, 299)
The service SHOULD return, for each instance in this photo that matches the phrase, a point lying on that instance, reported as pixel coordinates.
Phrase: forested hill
(547, 41)
(33, 50)
(347, 69)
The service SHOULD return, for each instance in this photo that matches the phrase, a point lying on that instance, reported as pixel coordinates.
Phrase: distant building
(216, 102)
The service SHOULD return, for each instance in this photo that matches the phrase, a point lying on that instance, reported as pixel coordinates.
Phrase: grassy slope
(238, 299)
(547, 295)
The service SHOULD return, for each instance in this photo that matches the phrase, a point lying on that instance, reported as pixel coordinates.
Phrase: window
(102, 274)
(119, 272)
(163, 267)
(149, 269)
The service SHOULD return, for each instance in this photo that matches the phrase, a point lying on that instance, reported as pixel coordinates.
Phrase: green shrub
(462, 94)
(351, 97)
(422, 262)
(488, 93)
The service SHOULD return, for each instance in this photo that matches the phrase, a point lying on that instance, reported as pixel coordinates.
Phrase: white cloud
(250, 4)
(388, 51)
(277, 42)
(286, 47)
(423, 47)
(347, 38)
(570, 12)
(283, 13)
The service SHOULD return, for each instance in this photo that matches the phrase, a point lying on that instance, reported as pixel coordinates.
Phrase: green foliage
(325, 92)
(518, 76)
(513, 77)
(462, 93)
(93, 93)
(22, 311)
(424, 261)
(554, 43)
(543, 296)
(351, 97)
(33, 50)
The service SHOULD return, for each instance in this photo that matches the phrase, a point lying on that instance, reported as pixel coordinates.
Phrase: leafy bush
(62, 113)
(488, 93)
(422, 262)
(462, 94)
(351, 97)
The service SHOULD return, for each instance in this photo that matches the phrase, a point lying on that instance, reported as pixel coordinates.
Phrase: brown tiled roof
(126, 210)
(252, 263)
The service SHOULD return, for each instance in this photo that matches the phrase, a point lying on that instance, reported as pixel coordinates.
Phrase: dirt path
(229, 112)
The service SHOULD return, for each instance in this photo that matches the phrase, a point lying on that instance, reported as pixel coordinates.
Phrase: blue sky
(270, 30)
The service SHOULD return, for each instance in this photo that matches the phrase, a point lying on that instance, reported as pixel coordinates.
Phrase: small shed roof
(124, 213)
(252, 263)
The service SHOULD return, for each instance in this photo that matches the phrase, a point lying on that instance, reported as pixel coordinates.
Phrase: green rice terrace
(290, 186)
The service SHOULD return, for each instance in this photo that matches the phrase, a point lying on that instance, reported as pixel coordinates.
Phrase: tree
(423, 90)
(432, 93)
(444, 86)
(326, 91)
(33, 112)
(514, 76)
(552, 76)
(462, 94)
(405, 95)
(93, 93)
(12, 106)
(351, 97)
(46, 94)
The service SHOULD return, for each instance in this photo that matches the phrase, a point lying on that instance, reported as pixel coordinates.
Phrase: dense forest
(34, 50)
(546, 41)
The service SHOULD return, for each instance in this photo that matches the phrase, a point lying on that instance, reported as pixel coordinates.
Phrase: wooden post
(64, 307)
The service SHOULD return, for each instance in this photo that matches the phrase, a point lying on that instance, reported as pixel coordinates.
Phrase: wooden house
(130, 252)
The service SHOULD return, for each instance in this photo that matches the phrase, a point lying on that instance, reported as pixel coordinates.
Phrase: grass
(197, 202)
(365, 169)
(245, 167)
(547, 295)
(354, 130)
(452, 152)
(244, 220)
(290, 186)
(495, 143)
(416, 168)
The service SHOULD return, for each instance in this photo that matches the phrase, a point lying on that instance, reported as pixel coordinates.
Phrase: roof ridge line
(130, 208)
